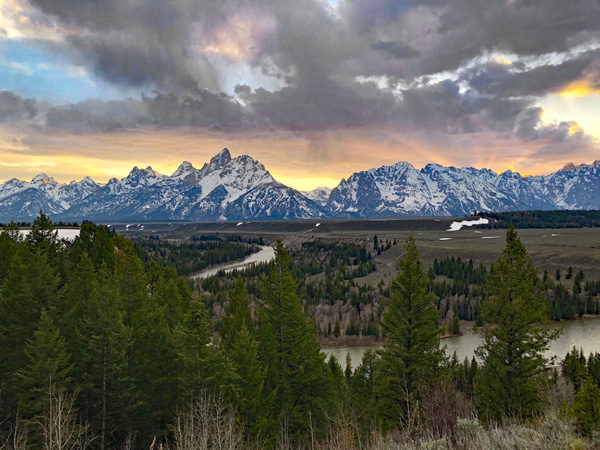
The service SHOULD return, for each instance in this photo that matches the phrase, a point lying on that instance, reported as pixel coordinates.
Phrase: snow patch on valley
(455, 226)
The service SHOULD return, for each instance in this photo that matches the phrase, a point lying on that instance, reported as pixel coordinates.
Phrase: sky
(313, 89)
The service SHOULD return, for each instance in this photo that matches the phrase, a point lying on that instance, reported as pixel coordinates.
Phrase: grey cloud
(96, 115)
(499, 79)
(396, 49)
(136, 43)
(320, 105)
(15, 107)
(205, 110)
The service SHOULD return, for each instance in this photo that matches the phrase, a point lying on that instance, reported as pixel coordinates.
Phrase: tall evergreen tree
(512, 376)
(363, 395)
(247, 385)
(43, 235)
(30, 286)
(289, 348)
(48, 368)
(412, 356)
(237, 313)
(195, 350)
(104, 388)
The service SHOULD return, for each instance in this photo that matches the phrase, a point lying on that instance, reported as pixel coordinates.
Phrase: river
(579, 333)
(265, 254)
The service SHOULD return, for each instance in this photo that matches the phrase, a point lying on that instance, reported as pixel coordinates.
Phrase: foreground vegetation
(101, 349)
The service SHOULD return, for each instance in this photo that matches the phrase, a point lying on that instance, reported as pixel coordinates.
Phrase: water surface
(265, 254)
(583, 334)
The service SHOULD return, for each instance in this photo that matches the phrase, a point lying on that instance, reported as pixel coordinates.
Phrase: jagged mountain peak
(220, 159)
(137, 174)
(42, 178)
(186, 171)
(568, 166)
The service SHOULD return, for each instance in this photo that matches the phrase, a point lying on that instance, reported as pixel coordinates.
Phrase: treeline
(326, 273)
(342, 307)
(192, 256)
(568, 294)
(542, 219)
(28, 224)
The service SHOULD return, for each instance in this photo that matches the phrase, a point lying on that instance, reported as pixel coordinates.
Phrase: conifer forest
(108, 343)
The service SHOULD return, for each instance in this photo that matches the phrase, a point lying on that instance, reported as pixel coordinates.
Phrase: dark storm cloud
(500, 79)
(153, 44)
(395, 49)
(96, 115)
(14, 107)
(205, 110)
(319, 105)
(136, 43)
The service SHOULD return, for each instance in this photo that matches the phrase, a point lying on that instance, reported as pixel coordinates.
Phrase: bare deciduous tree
(207, 423)
(59, 426)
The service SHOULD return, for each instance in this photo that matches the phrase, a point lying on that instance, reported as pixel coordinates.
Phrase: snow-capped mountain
(319, 195)
(24, 199)
(402, 190)
(241, 188)
(225, 188)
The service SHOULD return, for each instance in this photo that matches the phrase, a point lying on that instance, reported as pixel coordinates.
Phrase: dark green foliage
(296, 371)
(48, 367)
(363, 392)
(544, 219)
(411, 358)
(512, 377)
(123, 341)
(195, 255)
(252, 404)
(454, 327)
(237, 313)
(587, 409)
(574, 368)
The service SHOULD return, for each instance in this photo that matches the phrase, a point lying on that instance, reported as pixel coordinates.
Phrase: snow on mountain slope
(241, 188)
(319, 195)
(435, 190)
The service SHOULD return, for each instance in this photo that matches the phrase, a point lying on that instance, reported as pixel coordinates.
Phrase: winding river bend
(583, 334)
(265, 254)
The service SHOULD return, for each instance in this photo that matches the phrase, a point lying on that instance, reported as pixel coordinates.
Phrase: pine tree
(587, 408)
(412, 356)
(288, 346)
(237, 313)
(512, 377)
(247, 392)
(363, 395)
(48, 368)
(30, 286)
(195, 351)
(104, 390)
(42, 235)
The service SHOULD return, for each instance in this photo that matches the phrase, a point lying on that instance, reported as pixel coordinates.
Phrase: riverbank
(265, 254)
(580, 333)
(467, 328)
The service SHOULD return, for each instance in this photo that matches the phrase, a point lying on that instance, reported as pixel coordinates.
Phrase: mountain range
(241, 188)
